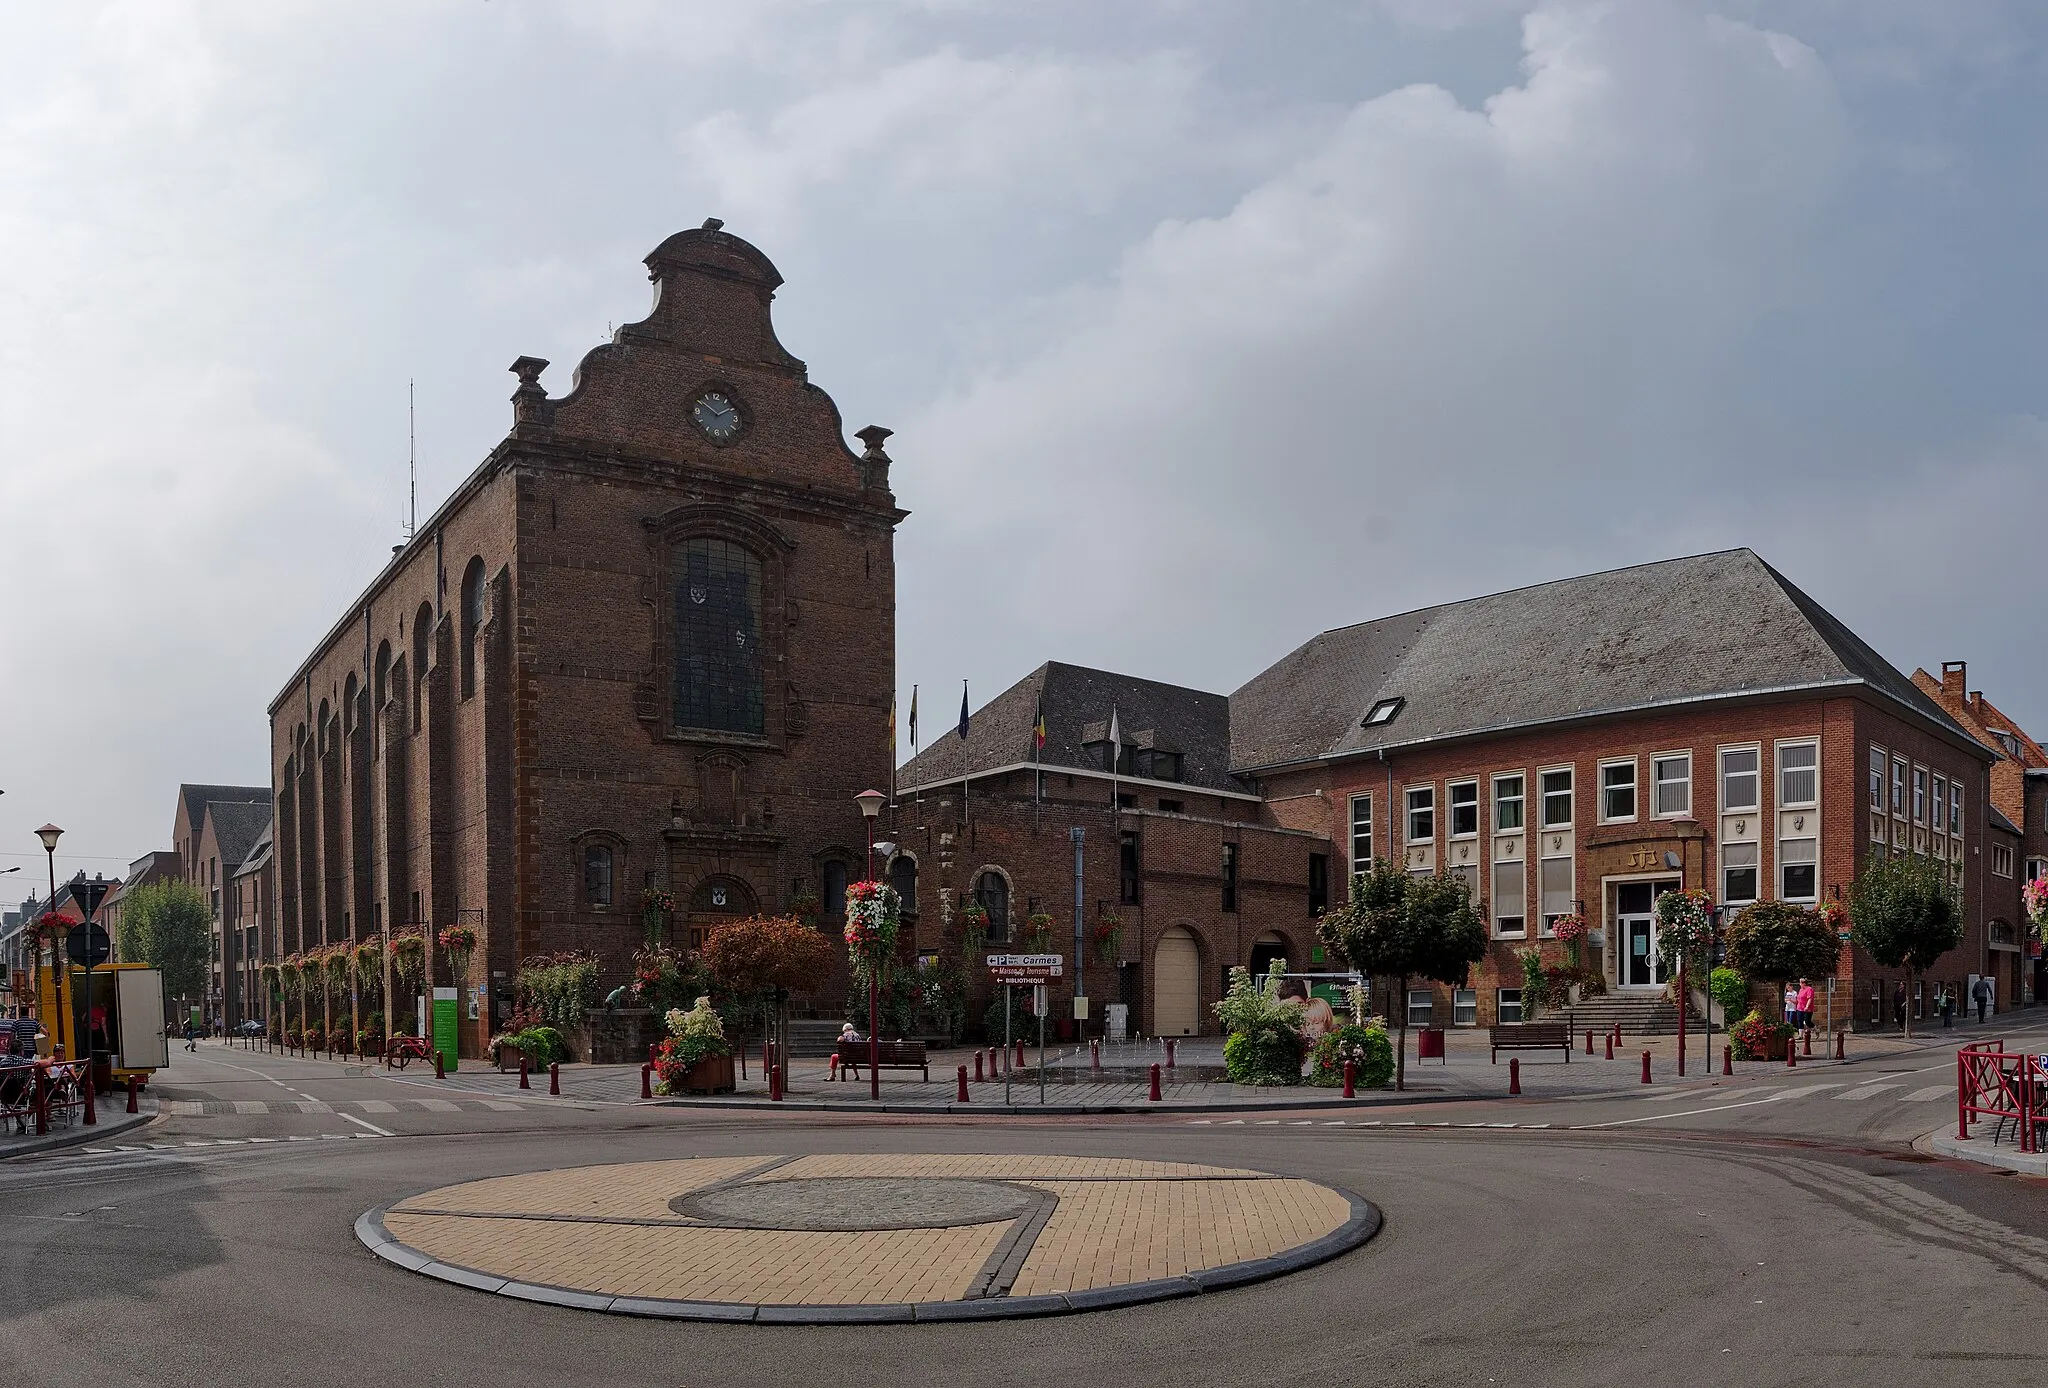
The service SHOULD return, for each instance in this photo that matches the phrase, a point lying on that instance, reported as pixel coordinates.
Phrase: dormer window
(1382, 713)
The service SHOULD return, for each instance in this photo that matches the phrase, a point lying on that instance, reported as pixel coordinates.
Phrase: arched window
(472, 621)
(832, 889)
(320, 726)
(718, 665)
(422, 637)
(348, 703)
(903, 877)
(992, 891)
(597, 874)
(381, 689)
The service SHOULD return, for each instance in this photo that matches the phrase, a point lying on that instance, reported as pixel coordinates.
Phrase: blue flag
(963, 711)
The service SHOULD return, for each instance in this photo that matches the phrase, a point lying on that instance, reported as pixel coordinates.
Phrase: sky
(1203, 326)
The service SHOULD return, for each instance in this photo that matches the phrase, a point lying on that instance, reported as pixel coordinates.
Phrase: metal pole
(1041, 1049)
(1007, 990)
(1077, 834)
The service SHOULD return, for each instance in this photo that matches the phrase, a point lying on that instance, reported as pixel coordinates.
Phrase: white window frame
(1520, 913)
(1364, 798)
(2002, 858)
(1544, 919)
(1635, 790)
(1754, 868)
(1464, 1007)
(1881, 758)
(1501, 1005)
(1921, 778)
(1660, 759)
(1409, 811)
(1727, 805)
(1783, 862)
(1778, 765)
(1427, 1004)
(1570, 793)
(1520, 800)
(1937, 806)
(1451, 789)
(1900, 768)
(2036, 868)
(1955, 808)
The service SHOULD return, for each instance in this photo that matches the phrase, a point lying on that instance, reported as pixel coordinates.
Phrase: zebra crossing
(215, 1108)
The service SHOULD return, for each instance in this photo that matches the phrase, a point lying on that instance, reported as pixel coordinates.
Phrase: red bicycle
(402, 1051)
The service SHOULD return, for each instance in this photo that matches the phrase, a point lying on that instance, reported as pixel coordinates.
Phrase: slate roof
(197, 798)
(1078, 704)
(1999, 821)
(236, 826)
(259, 852)
(1711, 626)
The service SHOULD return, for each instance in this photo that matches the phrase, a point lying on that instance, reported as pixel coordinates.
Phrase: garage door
(1177, 989)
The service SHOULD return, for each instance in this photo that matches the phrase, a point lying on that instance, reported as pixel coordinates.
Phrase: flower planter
(711, 1075)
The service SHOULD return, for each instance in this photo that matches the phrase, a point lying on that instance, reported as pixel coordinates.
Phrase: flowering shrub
(1367, 1048)
(692, 1036)
(2036, 897)
(1265, 1044)
(1752, 1036)
(662, 979)
(542, 1045)
(561, 987)
(872, 913)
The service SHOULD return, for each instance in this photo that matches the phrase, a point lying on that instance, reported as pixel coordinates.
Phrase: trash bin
(1429, 1044)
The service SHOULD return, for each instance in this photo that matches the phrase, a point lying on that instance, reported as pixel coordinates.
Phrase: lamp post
(1672, 860)
(870, 802)
(49, 834)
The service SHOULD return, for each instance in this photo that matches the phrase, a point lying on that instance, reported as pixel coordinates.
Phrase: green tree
(1905, 913)
(1403, 927)
(169, 926)
(1775, 942)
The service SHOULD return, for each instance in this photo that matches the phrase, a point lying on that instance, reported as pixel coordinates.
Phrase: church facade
(648, 645)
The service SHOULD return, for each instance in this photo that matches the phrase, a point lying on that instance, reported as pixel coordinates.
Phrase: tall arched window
(992, 891)
(381, 689)
(903, 877)
(832, 889)
(718, 665)
(422, 647)
(320, 726)
(348, 703)
(597, 874)
(472, 621)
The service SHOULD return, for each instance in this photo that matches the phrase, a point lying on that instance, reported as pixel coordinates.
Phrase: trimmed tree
(169, 926)
(759, 962)
(1776, 942)
(1905, 913)
(1399, 927)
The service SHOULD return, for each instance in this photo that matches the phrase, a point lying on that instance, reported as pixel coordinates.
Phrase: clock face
(717, 416)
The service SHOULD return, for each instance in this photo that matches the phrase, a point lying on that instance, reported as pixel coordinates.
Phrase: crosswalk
(214, 1108)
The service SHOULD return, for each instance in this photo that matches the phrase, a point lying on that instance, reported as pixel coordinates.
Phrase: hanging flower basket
(657, 905)
(1107, 939)
(50, 930)
(1684, 925)
(1038, 933)
(973, 929)
(459, 943)
(409, 957)
(873, 911)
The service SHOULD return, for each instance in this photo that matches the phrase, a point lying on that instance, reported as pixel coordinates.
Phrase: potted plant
(695, 1057)
(1757, 1037)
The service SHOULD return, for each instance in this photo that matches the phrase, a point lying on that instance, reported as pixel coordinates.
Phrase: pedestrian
(1899, 1005)
(191, 1037)
(1946, 1001)
(1791, 1007)
(1802, 1002)
(1981, 993)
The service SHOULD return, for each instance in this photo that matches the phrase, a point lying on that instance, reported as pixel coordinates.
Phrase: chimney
(1954, 677)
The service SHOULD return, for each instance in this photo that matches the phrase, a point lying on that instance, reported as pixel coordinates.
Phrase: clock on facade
(717, 416)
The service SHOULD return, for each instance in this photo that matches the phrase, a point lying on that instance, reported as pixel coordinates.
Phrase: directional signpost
(1032, 970)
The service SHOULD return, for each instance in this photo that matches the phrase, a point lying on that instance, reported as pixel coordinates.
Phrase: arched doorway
(1177, 984)
(716, 901)
(1265, 950)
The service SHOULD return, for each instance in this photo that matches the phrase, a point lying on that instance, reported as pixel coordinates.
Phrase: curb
(1944, 1142)
(80, 1134)
(970, 1110)
(1355, 1232)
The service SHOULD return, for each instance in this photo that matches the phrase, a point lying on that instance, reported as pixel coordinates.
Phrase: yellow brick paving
(1117, 1221)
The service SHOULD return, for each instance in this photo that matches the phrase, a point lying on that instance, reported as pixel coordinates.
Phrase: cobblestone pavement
(866, 1235)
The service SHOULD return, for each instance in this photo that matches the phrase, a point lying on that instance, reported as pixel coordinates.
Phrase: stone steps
(1638, 1015)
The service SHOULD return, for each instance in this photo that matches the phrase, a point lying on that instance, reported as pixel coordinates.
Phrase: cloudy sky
(1204, 326)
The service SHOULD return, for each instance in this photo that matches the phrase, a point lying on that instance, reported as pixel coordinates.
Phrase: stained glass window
(718, 637)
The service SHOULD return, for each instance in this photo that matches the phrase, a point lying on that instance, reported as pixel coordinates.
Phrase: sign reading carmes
(1026, 968)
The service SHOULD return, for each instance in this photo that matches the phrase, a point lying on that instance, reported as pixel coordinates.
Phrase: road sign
(1026, 976)
(88, 945)
(1026, 961)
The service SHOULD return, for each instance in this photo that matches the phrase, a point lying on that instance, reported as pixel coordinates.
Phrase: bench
(1531, 1036)
(889, 1055)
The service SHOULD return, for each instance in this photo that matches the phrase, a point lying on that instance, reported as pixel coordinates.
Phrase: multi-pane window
(718, 659)
(1898, 787)
(1919, 795)
(1955, 807)
(1507, 803)
(1361, 833)
(992, 894)
(1738, 779)
(1422, 814)
(1557, 799)
(1421, 1006)
(1877, 779)
(1464, 1007)
(1798, 774)
(1798, 869)
(1230, 877)
(1468, 873)
(2001, 859)
(597, 875)
(1510, 898)
(1939, 814)
(1554, 881)
(1464, 801)
(1618, 790)
(1738, 872)
(1671, 785)
(1507, 1005)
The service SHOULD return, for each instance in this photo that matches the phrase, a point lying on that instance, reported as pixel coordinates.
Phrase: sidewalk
(114, 1119)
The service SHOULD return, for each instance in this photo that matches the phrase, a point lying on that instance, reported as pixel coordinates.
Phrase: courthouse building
(648, 642)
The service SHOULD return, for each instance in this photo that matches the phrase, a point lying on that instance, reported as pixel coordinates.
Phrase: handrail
(1992, 1082)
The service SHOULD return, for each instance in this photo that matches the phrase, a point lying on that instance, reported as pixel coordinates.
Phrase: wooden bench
(889, 1055)
(1531, 1036)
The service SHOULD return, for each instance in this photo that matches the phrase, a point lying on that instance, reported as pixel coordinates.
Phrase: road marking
(1864, 1091)
(365, 1123)
(438, 1105)
(1200, 1122)
(1804, 1090)
(377, 1106)
(1687, 1113)
(1333, 1123)
(1932, 1091)
(251, 1106)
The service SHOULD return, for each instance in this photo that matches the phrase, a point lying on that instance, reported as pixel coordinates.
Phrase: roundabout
(847, 1238)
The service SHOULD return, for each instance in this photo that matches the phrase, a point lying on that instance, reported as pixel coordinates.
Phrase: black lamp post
(49, 834)
(870, 802)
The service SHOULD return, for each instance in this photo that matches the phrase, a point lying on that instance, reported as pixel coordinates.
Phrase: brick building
(251, 890)
(2018, 848)
(213, 829)
(648, 642)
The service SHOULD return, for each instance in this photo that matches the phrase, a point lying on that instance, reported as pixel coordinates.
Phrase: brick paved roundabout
(843, 1238)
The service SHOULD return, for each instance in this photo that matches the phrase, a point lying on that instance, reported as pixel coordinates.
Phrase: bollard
(647, 1081)
(1350, 1079)
(554, 1077)
(1155, 1081)
(91, 1114)
(1791, 1055)
(134, 1093)
(1018, 1064)
(652, 1048)
(1514, 1075)
(1617, 1033)
(961, 1095)
(440, 1067)
(522, 1071)
(1589, 1043)
(775, 1082)
(977, 1067)
(1169, 1052)
(1727, 1060)
(1806, 1041)
(995, 1066)
(1095, 1055)
(1646, 1067)
(1610, 1045)
(1840, 1038)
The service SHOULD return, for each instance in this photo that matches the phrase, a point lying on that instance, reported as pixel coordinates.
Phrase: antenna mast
(412, 469)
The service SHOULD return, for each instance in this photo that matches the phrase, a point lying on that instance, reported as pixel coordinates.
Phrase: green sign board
(444, 1025)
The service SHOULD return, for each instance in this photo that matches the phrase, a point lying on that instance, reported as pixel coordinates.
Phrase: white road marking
(251, 1106)
(1932, 1091)
(1864, 1091)
(504, 1106)
(365, 1123)
(438, 1105)
(376, 1106)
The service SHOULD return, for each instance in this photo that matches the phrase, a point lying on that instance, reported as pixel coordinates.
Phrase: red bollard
(1727, 1060)
(1791, 1055)
(1806, 1041)
(977, 1067)
(1589, 1043)
(1095, 1055)
(1646, 1067)
(1515, 1075)
(554, 1077)
(647, 1081)
(1350, 1079)
(653, 1048)
(995, 1064)
(1155, 1081)
(775, 1082)
(91, 1114)
(961, 1095)
(1610, 1045)
(134, 1092)
(522, 1071)
(1841, 1037)
(1169, 1052)
(440, 1067)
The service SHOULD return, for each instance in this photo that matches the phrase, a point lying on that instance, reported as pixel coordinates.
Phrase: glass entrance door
(1636, 927)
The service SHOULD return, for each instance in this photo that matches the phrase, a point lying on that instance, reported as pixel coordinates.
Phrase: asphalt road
(1733, 1235)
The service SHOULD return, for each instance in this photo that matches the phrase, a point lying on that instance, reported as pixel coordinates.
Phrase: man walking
(1981, 993)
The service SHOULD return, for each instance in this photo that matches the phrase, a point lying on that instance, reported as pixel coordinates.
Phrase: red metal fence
(2009, 1086)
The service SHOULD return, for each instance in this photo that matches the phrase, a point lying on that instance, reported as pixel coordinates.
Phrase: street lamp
(49, 834)
(1677, 864)
(870, 802)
